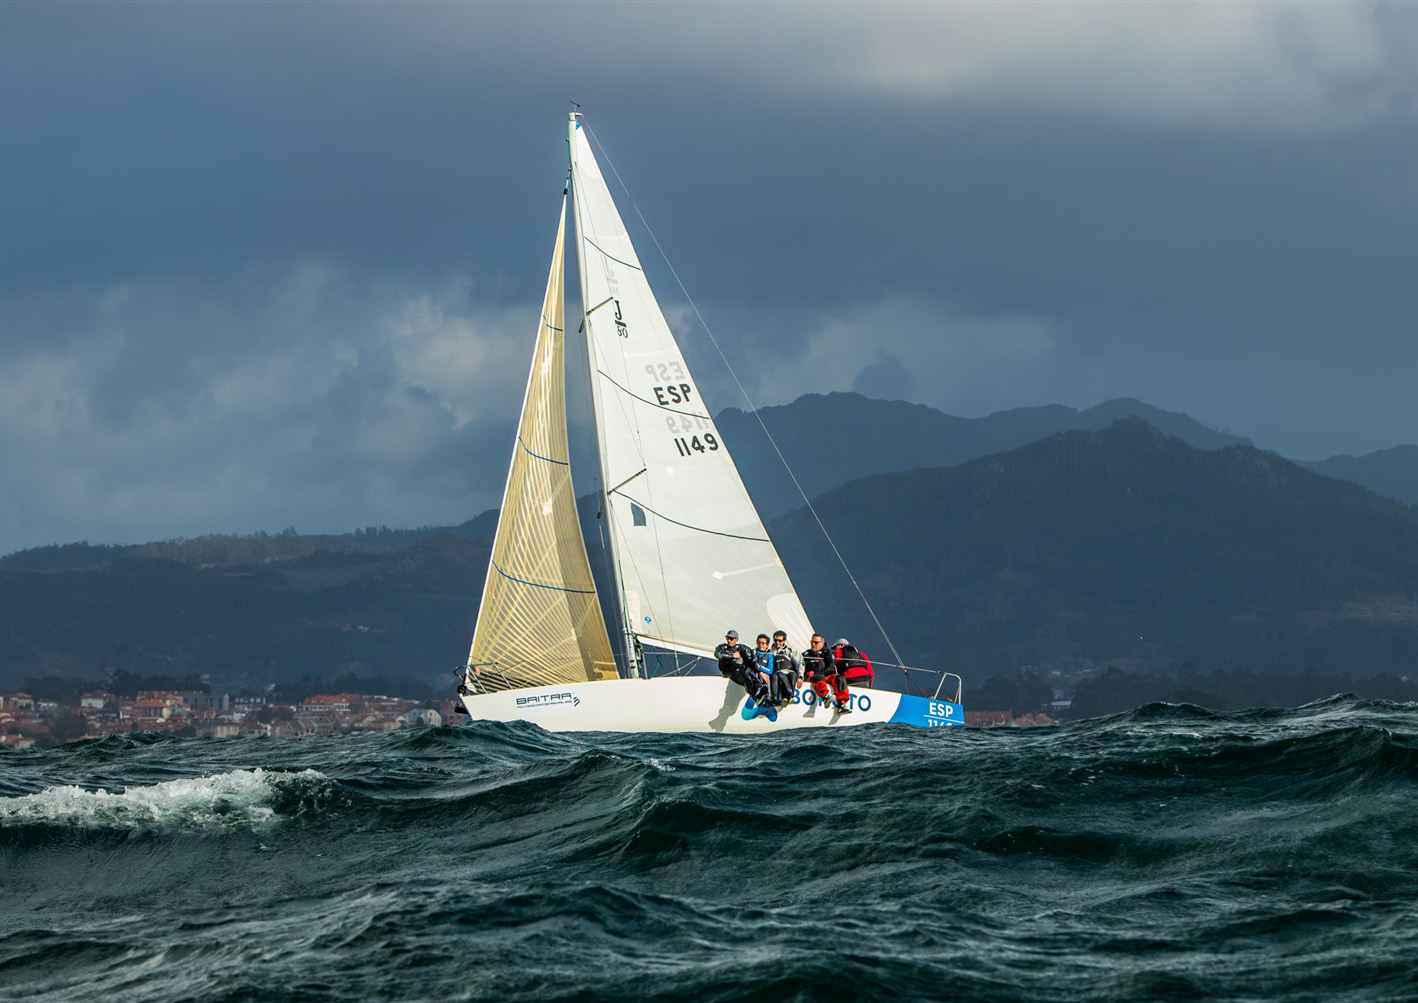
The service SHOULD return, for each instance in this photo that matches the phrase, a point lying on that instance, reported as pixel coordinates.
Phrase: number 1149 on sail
(697, 444)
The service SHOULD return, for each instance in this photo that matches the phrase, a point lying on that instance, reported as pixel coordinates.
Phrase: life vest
(854, 665)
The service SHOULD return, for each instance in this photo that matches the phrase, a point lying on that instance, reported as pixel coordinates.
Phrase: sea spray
(238, 799)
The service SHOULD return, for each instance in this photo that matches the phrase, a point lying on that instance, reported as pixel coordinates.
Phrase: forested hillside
(1392, 473)
(246, 611)
(1122, 547)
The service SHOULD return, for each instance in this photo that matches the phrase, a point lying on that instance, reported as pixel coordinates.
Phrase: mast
(633, 662)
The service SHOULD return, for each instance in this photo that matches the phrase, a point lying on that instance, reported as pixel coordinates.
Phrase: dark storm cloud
(196, 138)
(273, 264)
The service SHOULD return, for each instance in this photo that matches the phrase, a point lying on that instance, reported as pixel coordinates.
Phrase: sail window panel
(692, 586)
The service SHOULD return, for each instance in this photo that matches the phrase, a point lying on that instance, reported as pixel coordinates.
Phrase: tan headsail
(540, 622)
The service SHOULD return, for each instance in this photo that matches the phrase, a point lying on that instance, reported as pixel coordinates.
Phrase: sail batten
(542, 585)
(697, 529)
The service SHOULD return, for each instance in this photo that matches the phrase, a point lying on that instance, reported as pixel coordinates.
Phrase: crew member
(763, 657)
(785, 666)
(820, 669)
(739, 663)
(854, 665)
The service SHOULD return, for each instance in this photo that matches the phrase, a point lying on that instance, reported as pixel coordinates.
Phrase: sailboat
(690, 558)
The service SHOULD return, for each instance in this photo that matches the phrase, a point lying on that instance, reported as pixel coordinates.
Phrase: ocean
(1169, 853)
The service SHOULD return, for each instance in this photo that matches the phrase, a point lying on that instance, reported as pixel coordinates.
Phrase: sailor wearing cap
(737, 662)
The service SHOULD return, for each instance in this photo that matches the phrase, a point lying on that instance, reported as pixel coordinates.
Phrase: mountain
(1392, 473)
(1124, 546)
(828, 439)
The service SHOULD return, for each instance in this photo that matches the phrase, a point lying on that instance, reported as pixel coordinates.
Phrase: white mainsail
(540, 621)
(691, 553)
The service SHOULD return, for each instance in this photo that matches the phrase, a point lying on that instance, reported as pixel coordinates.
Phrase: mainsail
(540, 621)
(691, 554)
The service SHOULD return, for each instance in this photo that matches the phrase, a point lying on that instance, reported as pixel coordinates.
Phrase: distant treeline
(123, 683)
(408, 687)
(1026, 693)
(230, 549)
(1115, 690)
(242, 612)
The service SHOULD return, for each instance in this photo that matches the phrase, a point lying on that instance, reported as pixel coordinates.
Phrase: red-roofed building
(16, 701)
(988, 718)
(152, 710)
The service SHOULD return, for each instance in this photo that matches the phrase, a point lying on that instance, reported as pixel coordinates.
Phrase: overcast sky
(280, 264)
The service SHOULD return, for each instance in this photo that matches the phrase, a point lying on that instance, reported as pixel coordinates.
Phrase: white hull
(696, 703)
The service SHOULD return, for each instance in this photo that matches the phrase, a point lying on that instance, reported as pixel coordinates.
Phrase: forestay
(692, 555)
(540, 621)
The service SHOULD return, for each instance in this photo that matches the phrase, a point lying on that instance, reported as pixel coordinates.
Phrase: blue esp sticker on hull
(928, 713)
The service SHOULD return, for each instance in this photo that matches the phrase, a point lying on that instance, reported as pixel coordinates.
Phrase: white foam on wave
(236, 800)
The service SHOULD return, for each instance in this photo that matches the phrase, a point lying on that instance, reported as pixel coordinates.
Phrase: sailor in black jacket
(820, 669)
(739, 663)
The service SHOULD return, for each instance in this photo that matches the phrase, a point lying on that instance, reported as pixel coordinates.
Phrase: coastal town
(27, 721)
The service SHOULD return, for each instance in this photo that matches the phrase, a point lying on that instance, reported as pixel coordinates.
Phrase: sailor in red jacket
(854, 665)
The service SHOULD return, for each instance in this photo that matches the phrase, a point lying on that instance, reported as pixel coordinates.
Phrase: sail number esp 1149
(680, 393)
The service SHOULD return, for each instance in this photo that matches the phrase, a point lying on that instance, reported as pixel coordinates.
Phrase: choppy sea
(1165, 854)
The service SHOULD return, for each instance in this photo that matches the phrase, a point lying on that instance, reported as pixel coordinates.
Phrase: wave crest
(240, 799)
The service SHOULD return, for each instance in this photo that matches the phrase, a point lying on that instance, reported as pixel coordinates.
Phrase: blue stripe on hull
(927, 713)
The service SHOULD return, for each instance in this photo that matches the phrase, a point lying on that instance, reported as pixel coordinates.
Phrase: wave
(1165, 853)
(1335, 705)
(251, 800)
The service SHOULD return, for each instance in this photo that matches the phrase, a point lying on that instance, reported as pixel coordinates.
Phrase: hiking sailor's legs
(752, 681)
(828, 686)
